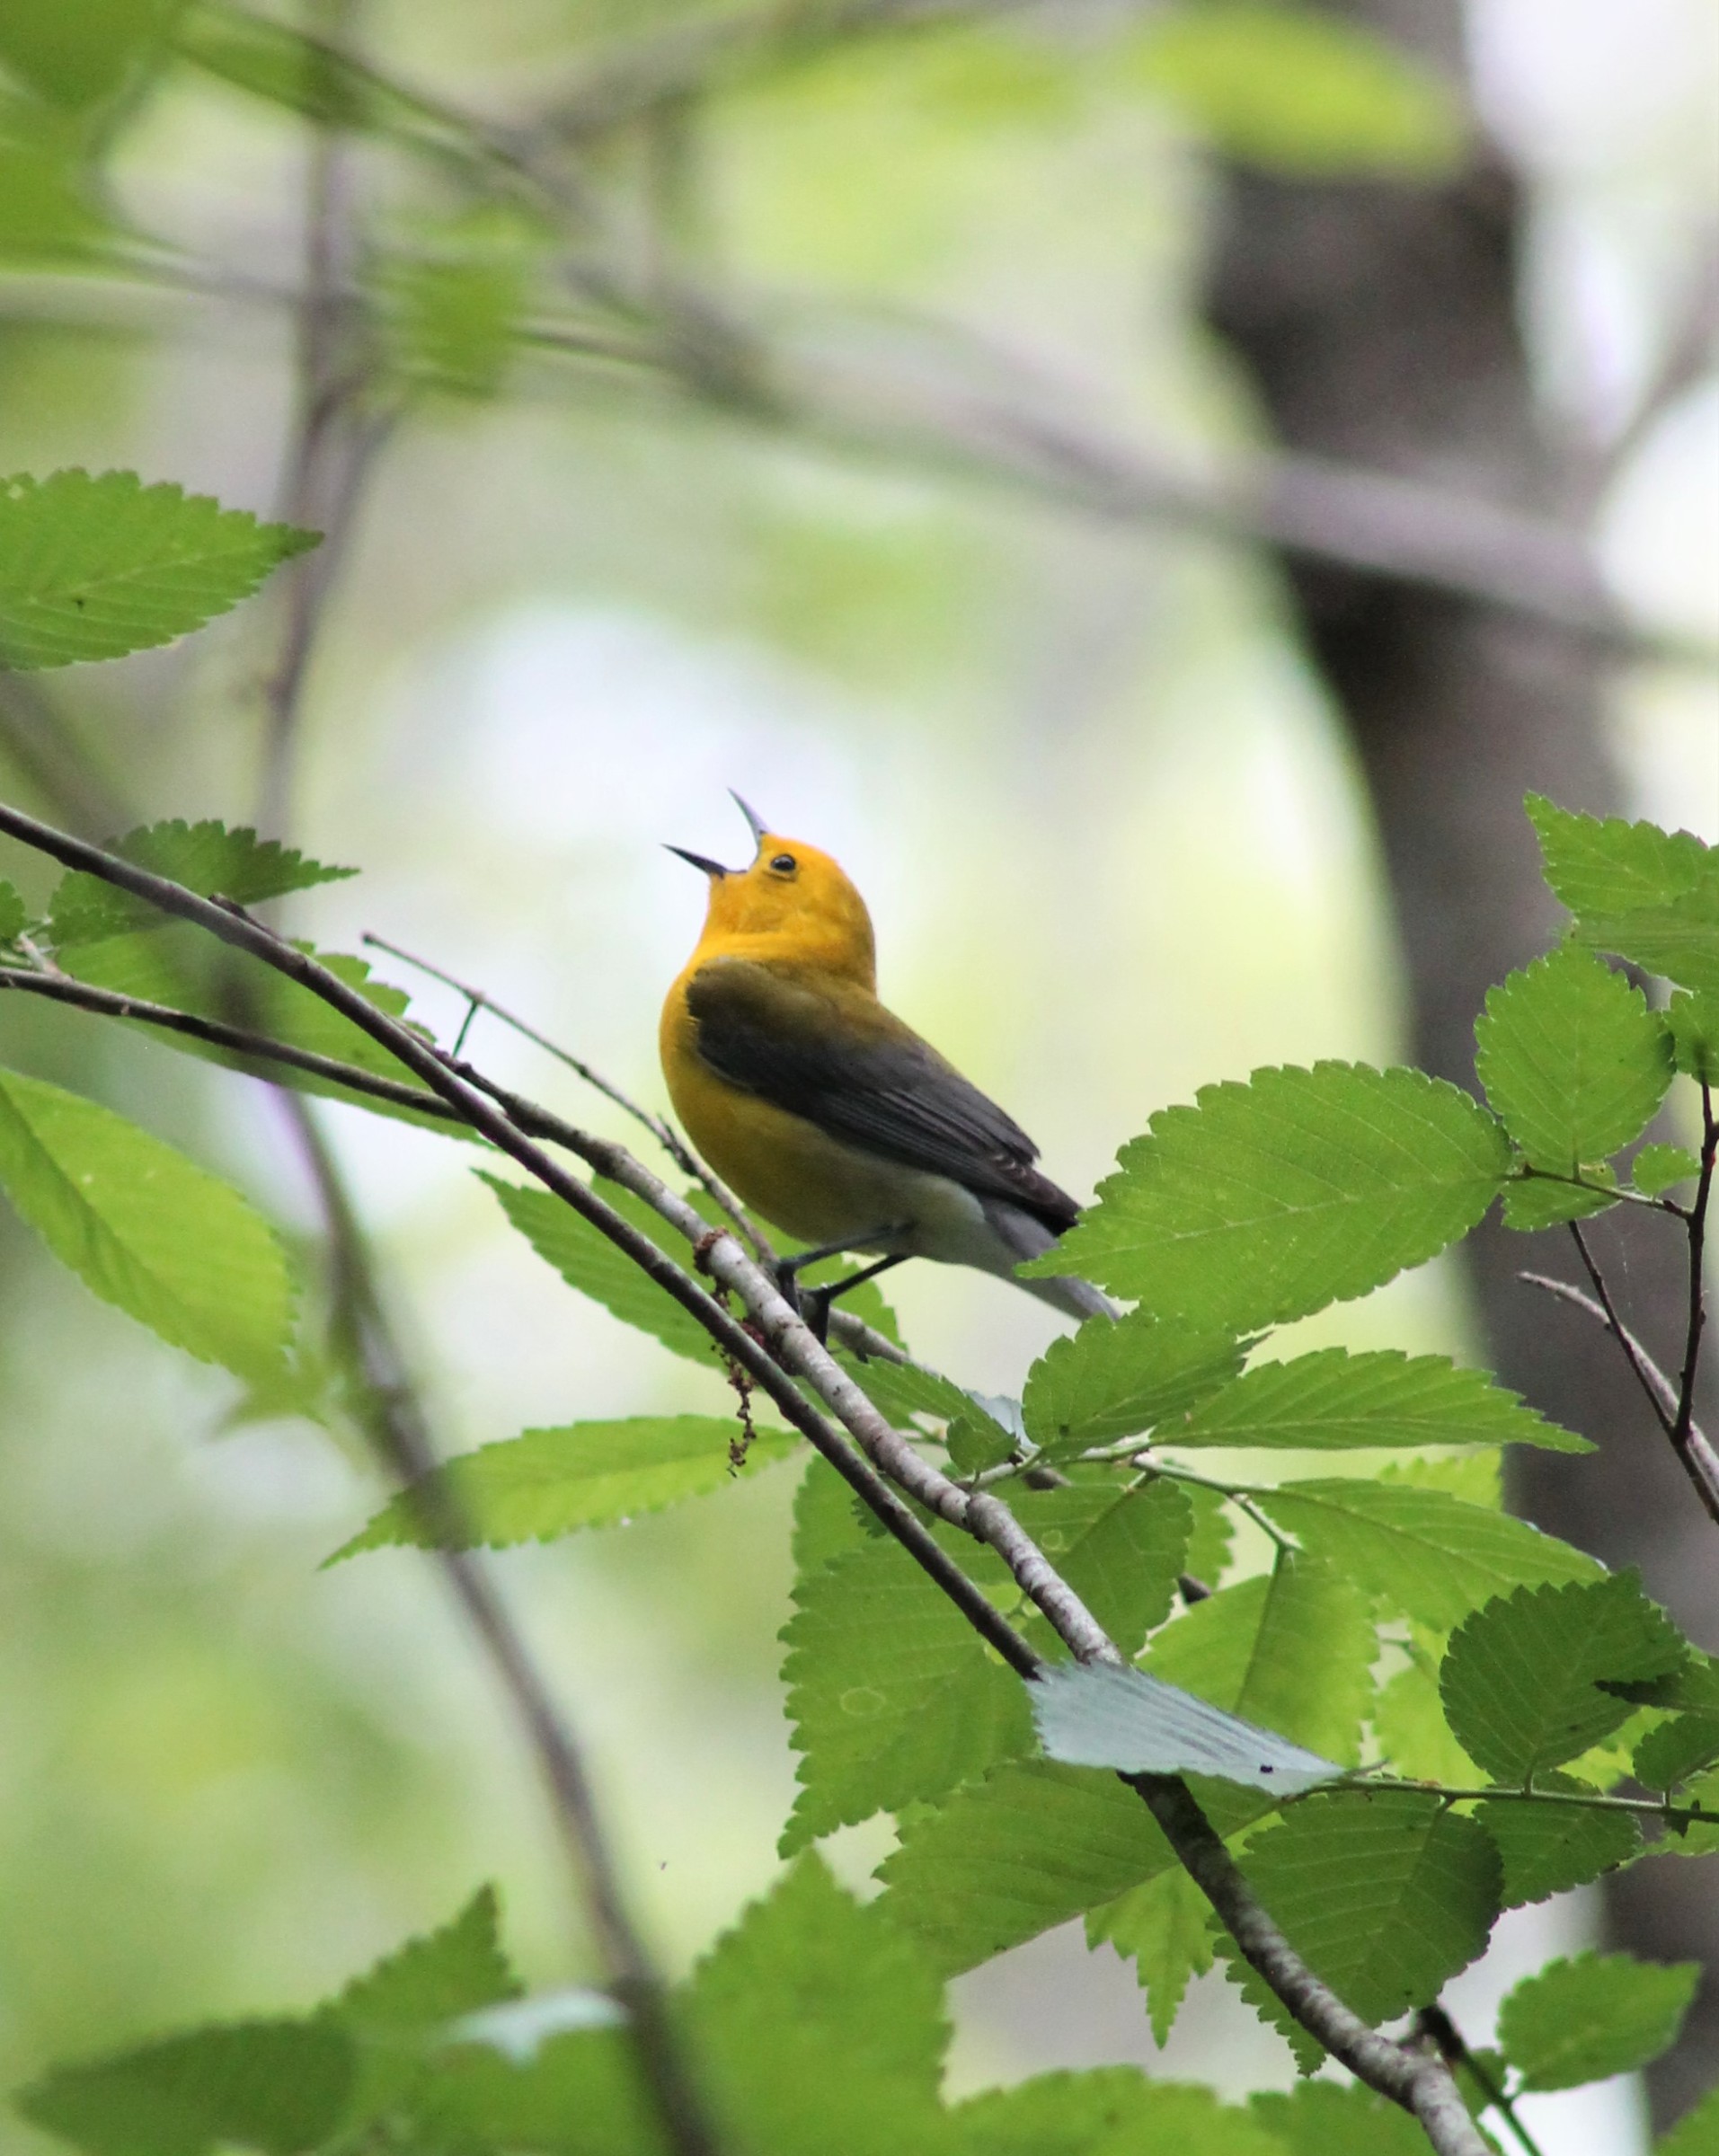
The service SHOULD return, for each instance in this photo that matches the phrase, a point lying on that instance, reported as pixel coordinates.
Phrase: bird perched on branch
(825, 1112)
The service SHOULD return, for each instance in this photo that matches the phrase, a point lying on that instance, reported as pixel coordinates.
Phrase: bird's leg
(814, 1302)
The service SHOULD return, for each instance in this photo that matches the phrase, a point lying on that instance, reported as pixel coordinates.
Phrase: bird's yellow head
(793, 905)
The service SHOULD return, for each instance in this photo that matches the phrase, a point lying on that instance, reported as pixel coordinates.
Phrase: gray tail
(1028, 1237)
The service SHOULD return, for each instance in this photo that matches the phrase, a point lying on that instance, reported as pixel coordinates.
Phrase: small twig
(1634, 1353)
(660, 1127)
(1433, 2023)
(1700, 1462)
(1675, 1815)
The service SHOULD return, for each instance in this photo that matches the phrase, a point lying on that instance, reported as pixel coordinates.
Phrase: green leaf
(145, 1228)
(577, 2094)
(1106, 2111)
(455, 314)
(206, 857)
(1292, 1651)
(1695, 2134)
(588, 1261)
(818, 2025)
(1419, 1553)
(892, 1696)
(48, 214)
(1117, 1378)
(1648, 896)
(409, 1994)
(78, 53)
(1385, 1895)
(1657, 1168)
(95, 568)
(829, 1519)
(1533, 1201)
(1293, 91)
(1521, 1678)
(906, 1393)
(1266, 1201)
(975, 1443)
(1589, 2018)
(1572, 1059)
(1674, 1751)
(15, 915)
(1121, 1549)
(1005, 1858)
(547, 1483)
(1331, 1398)
(276, 2086)
(1693, 1022)
(1319, 2118)
(1162, 1927)
(1408, 1716)
(1547, 1849)
(1102, 1716)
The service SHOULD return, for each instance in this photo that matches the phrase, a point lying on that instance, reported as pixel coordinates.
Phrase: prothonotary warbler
(825, 1112)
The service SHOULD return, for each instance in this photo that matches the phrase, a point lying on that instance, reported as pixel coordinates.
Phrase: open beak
(713, 869)
(759, 829)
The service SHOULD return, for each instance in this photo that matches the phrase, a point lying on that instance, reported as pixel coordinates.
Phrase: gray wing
(882, 1089)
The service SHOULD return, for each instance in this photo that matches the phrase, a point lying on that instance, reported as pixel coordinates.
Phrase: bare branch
(1700, 1462)
(1421, 2085)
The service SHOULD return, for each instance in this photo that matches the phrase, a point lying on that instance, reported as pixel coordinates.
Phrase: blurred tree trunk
(1379, 323)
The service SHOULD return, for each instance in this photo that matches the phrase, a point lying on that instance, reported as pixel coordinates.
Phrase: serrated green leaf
(1120, 1548)
(1695, 2134)
(1009, 1857)
(1585, 2019)
(1161, 1927)
(829, 1519)
(276, 2086)
(95, 568)
(808, 2000)
(409, 1994)
(1657, 1168)
(1293, 91)
(1572, 1059)
(1320, 2118)
(1267, 1201)
(1546, 1849)
(1520, 1680)
(1643, 893)
(1694, 1837)
(1102, 1716)
(547, 1483)
(1292, 1651)
(1106, 2111)
(976, 1443)
(1385, 1895)
(1693, 1022)
(1209, 1546)
(1677, 1748)
(1331, 1400)
(578, 2094)
(1117, 1378)
(906, 1393)
(892, 1699)
(206, 857)
(1419, 1553)
(145, 1228)
(15, 915)
(1533, 1201)
(588, 1261)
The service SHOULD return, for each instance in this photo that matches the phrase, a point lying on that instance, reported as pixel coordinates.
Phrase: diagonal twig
(1700, 1462)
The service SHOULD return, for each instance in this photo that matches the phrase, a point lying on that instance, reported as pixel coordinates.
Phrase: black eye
(785, 864)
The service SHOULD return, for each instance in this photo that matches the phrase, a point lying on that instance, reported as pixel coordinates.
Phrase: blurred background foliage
(676, 386)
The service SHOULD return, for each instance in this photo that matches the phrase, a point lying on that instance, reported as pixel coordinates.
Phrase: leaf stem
(1675, 1815)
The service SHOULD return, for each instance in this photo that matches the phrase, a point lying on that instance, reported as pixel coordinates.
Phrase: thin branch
(1634, 1353)
(1675, 1815)
(659, 1126)
(1433, 2023)
(1421, 2085)
(1700, 1462)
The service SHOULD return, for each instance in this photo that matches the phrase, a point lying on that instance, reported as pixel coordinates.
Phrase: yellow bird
(825, 1112)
